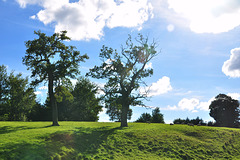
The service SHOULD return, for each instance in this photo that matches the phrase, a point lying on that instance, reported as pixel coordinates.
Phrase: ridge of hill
(96, 140)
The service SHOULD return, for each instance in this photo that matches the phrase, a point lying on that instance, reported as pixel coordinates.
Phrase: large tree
(225, 111)
(124, 72)
(52, 61)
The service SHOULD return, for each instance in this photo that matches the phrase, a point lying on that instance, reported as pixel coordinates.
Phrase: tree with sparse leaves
(124, 72)
(50, 60)
(225, 111)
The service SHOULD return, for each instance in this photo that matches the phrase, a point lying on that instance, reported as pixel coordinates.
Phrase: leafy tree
(157, 117)
(225, 111)
(42, 58)
(179, 121)
(124, 72)
(20, 98)
(114, 110)
(86, 106)
(145, 117)
(3, 92)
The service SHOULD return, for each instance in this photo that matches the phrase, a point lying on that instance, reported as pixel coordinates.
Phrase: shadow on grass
(80, 143)
(9, 129)
(60, 145)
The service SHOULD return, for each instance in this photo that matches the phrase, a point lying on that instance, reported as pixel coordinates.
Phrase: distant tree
(225, 111)
(157, 117)
(86, 105)
(42, 58)
(145, 117)
(20, 98)
(196, 121)
(179, 121)
(187, 120)
(124, 73)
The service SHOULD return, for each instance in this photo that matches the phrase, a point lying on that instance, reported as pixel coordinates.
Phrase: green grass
(90, 140)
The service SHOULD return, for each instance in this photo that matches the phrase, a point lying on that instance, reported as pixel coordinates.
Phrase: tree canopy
(124, 72)
(50, 60)
(225, 111)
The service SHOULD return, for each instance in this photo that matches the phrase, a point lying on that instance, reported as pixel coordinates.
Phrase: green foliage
(90, 140)
(86, 106)
(156, 117)
(124, 73)
(225, 111)
(41, 58)
(145, 117)
(187, 120)
(17, 97)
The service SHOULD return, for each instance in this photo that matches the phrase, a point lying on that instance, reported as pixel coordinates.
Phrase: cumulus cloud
(235, 96)
(162, 86)
(192, 105)
(201, 16)
(86, 19)
(188, 104)
(231, 67)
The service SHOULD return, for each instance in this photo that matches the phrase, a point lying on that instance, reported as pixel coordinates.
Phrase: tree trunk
(53, 102)
(125, 108)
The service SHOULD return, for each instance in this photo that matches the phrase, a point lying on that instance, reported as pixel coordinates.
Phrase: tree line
(18, 100)
(54, 63)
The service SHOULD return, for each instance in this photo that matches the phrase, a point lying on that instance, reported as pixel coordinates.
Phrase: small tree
(157, 117)
(124, 72)
(145, 117)
(225, 111)
(41, 58)
(85, 106)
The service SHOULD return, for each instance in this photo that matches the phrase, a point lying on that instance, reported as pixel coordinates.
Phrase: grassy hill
(90, 140)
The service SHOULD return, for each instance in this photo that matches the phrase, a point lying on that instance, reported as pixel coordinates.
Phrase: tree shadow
(59, 145)
(9, 129)
(84, 141)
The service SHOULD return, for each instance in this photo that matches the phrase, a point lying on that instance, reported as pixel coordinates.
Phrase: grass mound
(90, 140)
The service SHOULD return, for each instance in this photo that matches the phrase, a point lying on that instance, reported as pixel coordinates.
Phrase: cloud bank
(231, 67)
(86, 19)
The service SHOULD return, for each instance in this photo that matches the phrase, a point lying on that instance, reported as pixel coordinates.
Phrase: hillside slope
(92, 140)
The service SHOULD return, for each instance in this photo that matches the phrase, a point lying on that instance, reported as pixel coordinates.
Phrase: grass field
(92, 140)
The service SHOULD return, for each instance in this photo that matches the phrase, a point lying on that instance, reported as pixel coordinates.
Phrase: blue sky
(198, 41)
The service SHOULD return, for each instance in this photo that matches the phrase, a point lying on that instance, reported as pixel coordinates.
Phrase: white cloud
(33, 17)
(43, 88)
(201, 16)
(188, 104)
(231, 67)
(162, 86)
(235, 96)
(194, 105)
(86, 19)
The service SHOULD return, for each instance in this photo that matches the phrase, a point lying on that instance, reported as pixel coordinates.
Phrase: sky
(198, 44)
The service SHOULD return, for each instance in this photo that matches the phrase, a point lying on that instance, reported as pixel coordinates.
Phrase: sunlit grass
(92, 140)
